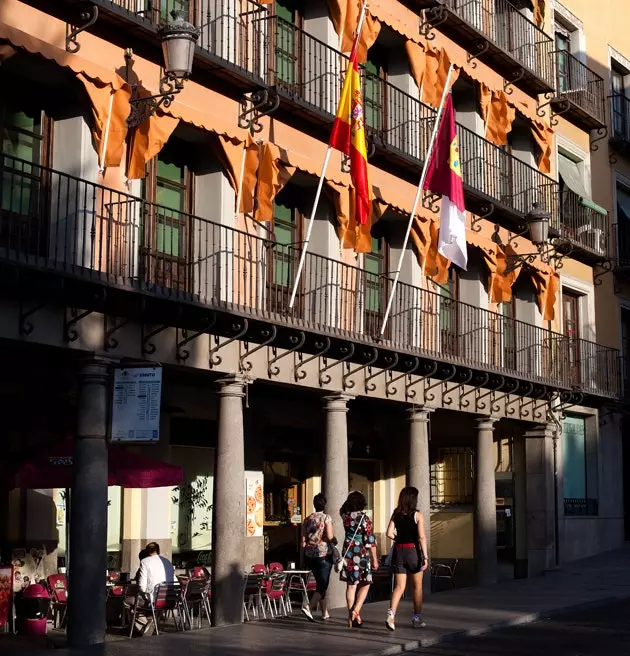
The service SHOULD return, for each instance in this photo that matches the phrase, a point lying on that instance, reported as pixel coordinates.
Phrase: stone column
(228, 529)
(541, 515)
(520, 506)
(336, 479)
(88, 510)
(418, 471)
(485, 504)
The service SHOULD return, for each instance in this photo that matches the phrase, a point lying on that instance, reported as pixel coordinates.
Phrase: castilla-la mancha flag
(348, 135)
(444, 176)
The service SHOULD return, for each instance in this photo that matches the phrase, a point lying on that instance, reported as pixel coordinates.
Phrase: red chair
(200, 573)
(275, 592)
(58, 585)
(259, 569)
(275, 567)
(167, 598)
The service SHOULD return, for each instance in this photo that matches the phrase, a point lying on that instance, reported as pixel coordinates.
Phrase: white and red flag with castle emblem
(444, 176)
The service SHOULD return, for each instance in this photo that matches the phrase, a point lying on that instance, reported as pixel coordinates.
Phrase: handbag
(341, 562)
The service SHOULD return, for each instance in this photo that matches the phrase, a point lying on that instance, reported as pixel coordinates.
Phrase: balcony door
(619, 106)
(26, 138)
(571, 329)
(286, 59)
(374, 91)
(160, 10)
(448, 319)
(374, 287)
(166, 230)
(563, 62)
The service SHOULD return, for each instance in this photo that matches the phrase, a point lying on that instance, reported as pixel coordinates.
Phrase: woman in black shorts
(406, 529)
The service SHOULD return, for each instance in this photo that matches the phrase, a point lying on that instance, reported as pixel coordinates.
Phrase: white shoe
(389, 622)
(307, 611)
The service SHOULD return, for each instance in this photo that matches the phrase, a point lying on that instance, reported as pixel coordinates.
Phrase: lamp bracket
(256, 104)
(142, 108)
(72, 31)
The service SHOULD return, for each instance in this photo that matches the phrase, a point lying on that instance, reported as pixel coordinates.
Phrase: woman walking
(406, 529)
(317, 541)
(359, 555)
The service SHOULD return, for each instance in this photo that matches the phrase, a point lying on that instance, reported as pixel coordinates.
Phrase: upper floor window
(622, 219)
(620, 114)
(375, 70)
(563, 46)
(287, 41)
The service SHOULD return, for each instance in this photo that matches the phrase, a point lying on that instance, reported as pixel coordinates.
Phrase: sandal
(352, 619)
(357, 622)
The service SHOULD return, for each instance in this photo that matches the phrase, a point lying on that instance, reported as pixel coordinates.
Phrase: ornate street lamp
(537, 222)
(178, 39)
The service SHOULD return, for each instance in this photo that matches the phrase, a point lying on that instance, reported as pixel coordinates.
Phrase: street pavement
(584, 586)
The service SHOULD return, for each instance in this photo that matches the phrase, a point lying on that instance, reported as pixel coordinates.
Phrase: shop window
(580, 467)
(452, 471)
(165, 221)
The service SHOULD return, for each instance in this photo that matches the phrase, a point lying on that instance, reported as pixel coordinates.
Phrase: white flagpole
(414, 209)
(320, 186)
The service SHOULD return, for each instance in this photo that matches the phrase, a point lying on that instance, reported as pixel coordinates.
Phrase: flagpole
(414, 209)
(320, 186)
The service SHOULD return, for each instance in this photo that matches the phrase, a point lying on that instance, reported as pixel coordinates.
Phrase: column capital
(337, 402)
(233, 385)
(95, 370)
(541, 431)
(419, 413)
(486, 423)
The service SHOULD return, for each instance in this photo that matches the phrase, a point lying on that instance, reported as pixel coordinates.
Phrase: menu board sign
(6, 593)
(255, 504)
(136, 404)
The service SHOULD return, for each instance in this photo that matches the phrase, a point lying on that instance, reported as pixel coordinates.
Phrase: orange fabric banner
(435, 74)
(497, 113)
(543, 135)
(146, 141)
(100, 93)
(345, 18)
(539, 12)
(417, 61)
(500, 283)
(547, 285)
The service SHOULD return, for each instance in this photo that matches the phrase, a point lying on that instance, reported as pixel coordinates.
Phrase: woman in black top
(406, 529)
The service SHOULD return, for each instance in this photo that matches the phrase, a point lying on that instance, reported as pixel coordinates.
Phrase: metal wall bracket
(451, 371)
(519, 74)
(570, 399)
(72, 32)
(372, 357)
(481, 379)
(495, 407)
(485, 211)
(182, 353)
(430, 370)
(601, 133)
(147, 346)
(391, 361)
(347, 352)
(466, 378)
(602, 268)
(110, 343)
(215, 360)
(296, 341)
(430, 200)
(413, 365)
(322, 348)
(491, 393)
(25, 327)
(509, 410)
(433, 17)
(255, 105)
(481, 47)
(69, 332)
(268, 335)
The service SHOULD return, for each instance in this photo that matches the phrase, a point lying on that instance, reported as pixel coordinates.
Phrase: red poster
(6, 592)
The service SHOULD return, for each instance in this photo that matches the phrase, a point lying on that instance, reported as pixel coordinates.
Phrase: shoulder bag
(340, 562)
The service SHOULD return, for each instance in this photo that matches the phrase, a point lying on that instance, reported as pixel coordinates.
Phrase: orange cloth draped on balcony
(345, 18)
(497, 113)
(543, 135)
(547, 284)
(352, 234)
(230, 153)
(146, 141)
(539, 12)
(109, 105)
(264, 177)
(424, 235)
(436, 68)
(417, 61)
(500, 283)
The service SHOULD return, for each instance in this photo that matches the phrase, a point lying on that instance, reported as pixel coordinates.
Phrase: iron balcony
(57, 225)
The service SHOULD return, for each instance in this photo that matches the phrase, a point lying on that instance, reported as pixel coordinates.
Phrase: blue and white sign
(136, 404)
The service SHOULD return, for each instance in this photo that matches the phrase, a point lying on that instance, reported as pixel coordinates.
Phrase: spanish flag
(444, 176)
(348, 135)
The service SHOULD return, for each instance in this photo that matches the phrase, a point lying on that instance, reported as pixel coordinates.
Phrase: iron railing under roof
(582, 225)
(60, 223)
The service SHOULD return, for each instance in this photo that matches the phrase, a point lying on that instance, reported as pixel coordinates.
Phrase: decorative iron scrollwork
(182, 353)
(602, 133)
(347, 351)
(321, 348)
(240, 329)
(72, 32)
(371, 357)
(255, 105)
(296, 341)
(268, 334)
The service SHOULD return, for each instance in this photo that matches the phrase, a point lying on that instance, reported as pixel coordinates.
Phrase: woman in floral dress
(359, 552)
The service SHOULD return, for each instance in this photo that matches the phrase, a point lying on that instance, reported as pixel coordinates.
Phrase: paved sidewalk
(449, 615)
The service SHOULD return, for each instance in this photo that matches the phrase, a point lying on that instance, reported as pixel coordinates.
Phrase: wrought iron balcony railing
(499, 33)
(59, 223)
(620, 122)
(580, 92)
(583, 225)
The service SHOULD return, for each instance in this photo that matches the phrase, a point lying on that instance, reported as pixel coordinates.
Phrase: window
(571, 329)
(168, 188)
(507, 312)
(26, 132)
(619, 103)
(579, 468)
(161, 9)
(374, 101)
(448, 314)
(623, 224)
(452, 475)
(373, 288)
(287, 37)
(563, 47)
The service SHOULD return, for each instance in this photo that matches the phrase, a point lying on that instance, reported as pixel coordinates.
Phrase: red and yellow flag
(348, 136)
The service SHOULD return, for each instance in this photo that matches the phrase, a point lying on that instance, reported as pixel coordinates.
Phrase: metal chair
(166, 598)
(259, 568)
(196, 597)
(253, 595)
(444, 571)
(274, 594)
(275, 567)
(58, 585)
